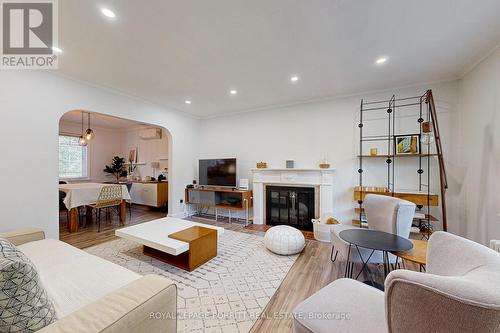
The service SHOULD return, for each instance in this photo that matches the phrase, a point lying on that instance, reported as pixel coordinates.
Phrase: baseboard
(179, 215)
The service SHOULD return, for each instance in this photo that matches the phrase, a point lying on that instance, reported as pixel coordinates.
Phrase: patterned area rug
(227, 294)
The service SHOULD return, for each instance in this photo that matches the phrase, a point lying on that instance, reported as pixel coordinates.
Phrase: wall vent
(150, 133)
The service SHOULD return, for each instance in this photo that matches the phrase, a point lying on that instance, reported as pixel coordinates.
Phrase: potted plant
(117, 168)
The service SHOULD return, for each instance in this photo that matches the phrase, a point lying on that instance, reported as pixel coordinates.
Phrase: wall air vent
(150, 134)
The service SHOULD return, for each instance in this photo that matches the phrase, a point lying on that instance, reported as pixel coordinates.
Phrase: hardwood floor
(87, 236)
(312, 271)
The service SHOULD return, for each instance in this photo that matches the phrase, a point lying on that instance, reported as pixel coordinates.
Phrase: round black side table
(375, 241)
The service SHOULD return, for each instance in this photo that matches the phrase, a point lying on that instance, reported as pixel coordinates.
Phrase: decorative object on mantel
(117, 168)
(82, 141)
(373, 151)
(324, 165)
(290, 164)
(89, 133)
(261, 165)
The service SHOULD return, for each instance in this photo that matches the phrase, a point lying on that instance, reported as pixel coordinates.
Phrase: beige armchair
(383, 213)
(459, 293)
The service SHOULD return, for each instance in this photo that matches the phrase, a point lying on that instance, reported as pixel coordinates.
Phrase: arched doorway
(134, 155)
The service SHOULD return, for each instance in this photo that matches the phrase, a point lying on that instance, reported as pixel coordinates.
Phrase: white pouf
(284, 240)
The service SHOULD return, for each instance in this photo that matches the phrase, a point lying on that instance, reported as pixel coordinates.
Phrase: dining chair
(62, 205)
(110, 196)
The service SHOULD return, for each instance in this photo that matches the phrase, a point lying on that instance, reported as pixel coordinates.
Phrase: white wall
(148, 151)
(106, 144)
(31, 104)
(305, 133)
(478, 139)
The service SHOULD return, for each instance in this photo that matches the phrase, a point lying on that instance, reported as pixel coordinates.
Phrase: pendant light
(82, 141)
(89, 133)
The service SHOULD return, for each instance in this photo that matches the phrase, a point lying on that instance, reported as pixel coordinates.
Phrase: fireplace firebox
(293, 206)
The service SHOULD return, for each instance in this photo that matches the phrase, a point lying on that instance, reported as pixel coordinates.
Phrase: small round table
(376, 241)
(417, 255)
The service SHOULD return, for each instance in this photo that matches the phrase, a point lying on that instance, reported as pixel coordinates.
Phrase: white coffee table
(154, 236)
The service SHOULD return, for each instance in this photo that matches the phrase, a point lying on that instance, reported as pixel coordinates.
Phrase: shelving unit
(135, 163)
(397, 156)
(422, 196)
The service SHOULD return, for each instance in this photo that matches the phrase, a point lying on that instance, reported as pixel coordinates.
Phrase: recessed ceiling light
(294, 78)
(56, 49)
(108, 13)
(187, 101)
(381, 60)
(233, 92)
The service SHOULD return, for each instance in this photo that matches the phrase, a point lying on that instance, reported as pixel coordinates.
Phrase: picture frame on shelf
(407, 144)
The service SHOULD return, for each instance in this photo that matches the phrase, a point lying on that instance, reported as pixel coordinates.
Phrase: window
(72, 157)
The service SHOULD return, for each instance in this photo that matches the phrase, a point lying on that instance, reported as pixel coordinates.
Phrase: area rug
(227, 294)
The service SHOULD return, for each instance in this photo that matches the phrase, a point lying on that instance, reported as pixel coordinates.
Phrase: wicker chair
(110, 196)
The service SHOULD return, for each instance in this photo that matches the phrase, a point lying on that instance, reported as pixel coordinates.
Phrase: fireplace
(290, 205)
(321, 180)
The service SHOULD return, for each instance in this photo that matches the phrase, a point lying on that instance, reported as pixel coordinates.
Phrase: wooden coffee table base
(202, 248)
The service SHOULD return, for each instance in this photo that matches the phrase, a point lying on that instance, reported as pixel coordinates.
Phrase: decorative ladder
(429, 100)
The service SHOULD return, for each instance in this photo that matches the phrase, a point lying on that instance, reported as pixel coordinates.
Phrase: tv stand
(220, 198)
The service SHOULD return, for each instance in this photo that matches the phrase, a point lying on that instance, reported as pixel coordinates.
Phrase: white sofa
(91, 294)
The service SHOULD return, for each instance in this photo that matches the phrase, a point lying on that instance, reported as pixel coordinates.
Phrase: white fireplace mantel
(320, 179)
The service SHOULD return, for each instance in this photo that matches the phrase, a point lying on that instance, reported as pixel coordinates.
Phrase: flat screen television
(218, 172)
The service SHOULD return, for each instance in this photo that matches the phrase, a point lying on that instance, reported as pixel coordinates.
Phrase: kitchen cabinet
(153, 194)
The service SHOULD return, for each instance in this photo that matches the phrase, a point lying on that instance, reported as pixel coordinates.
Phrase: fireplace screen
(293, 206)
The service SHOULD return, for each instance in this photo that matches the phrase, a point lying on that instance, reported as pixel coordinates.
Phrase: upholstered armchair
(383, 213)
(459, 293)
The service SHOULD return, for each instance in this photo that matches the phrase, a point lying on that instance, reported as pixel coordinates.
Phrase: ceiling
(100, 120)
(170, 51)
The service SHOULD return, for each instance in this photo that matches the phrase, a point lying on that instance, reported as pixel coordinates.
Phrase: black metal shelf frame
(391, 106)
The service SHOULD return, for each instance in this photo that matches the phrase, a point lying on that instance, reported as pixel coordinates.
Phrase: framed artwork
(132, 156)
(407, 144)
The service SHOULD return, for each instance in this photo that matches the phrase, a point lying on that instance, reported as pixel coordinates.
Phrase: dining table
(84, 194)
